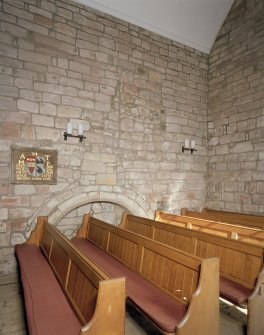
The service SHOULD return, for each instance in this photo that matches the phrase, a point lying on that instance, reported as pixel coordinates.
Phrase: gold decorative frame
(33, 166)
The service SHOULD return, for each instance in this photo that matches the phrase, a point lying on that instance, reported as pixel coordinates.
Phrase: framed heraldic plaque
(33, 166)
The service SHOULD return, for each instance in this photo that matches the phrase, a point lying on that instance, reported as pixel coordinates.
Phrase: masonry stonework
(236, 112)
(138, 95)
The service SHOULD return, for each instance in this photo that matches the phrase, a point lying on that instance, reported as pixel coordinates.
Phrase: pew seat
(64, 293)
(241, 263)
(167, 286)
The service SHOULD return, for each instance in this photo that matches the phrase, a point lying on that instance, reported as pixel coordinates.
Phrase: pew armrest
(256, 307)
(110, 306)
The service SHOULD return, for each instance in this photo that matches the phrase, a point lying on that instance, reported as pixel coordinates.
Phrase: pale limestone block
(65, 173)
(55, 217)
(24, 83)
(42, 120)
(30, 95)
(7, 103)
(71, 82)
(13, 29)
(90, 156)
(25, 189)
(106, 179)
(93, 166)
(17, 238)
(77, 102)
(6, 79)
(73, 202)
(100, 97)
(80, 67)
(69, 112)
(56, 89)
(47, 108)
(75, 161)
(44, 133)
(3, 213)
(34, 57)
(108, 158)
(4, 172)
(245, 146)
(28, 106)
(102, 107)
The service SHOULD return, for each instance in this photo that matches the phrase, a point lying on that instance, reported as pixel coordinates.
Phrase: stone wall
(236, 112)
(138, 95)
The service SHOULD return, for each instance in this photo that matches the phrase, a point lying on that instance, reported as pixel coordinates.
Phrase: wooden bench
(170, 287)
(241, 233)
(241, 264)
(258, 219)
(223, 218)
(64, 293)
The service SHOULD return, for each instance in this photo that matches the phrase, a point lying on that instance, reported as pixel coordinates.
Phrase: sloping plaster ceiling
(194, 23)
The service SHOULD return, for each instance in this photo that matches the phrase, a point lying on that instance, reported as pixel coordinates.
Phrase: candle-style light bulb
(69, 128)
(80, 129)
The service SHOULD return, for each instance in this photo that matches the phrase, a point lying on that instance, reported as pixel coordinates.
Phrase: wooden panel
(46, 242)
(82, 292)
(239, 261)
(60, 261)
(124, 250)
(199, 222)
(143, 229)
(181, 242)
(98, 235)
(175, 278)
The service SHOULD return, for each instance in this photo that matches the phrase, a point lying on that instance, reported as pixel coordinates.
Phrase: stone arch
(59, 206)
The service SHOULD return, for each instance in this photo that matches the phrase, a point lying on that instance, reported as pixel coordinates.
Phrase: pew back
(146, 257)
(239, 261)
(90, 291)
(190, 281)
(242, 233)
(243, 216)
(223, 218)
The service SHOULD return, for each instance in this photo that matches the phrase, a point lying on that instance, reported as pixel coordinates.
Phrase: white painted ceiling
(194, 23)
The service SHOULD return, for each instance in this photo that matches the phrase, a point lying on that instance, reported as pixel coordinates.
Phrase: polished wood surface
(243, 216)
(92, 294)
(239, 261)
(242, 233)
(225, 217)
(187, 278)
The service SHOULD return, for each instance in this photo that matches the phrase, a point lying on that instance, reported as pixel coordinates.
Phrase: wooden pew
(259, 219)
(223, 218)
(241, 233)
(65, 293)
(169, 286)
(241, 264)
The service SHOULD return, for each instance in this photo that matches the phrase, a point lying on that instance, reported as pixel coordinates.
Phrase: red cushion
(159, 306)
(236, 293)
(48, 311)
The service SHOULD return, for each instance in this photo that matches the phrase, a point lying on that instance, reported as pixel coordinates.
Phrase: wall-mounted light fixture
(189, 145)
(68, 133)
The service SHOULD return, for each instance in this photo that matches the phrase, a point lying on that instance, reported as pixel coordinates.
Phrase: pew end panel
(36, 234)
(91, 296)
(84, 227)
(110, 299)
(204, 304)
(256, 308)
